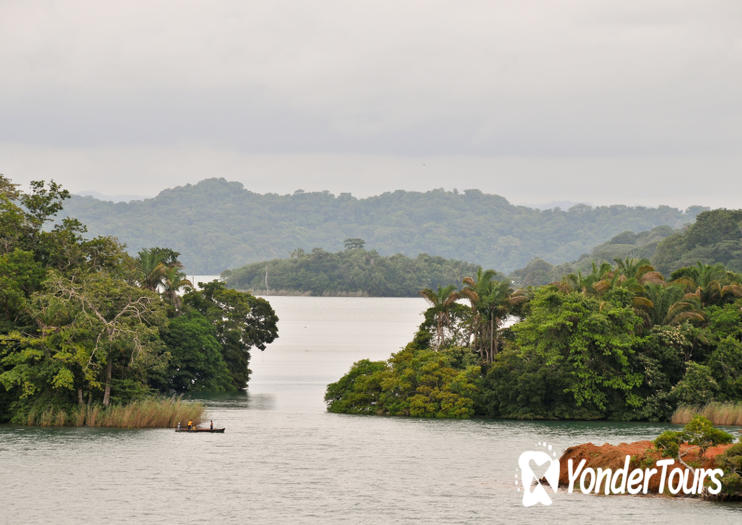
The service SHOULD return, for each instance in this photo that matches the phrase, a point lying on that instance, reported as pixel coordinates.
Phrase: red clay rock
(642, 454)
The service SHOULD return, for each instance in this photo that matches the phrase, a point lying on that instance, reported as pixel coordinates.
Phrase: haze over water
(284, 458)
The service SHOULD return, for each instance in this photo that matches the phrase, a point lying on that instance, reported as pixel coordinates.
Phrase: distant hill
(217, 224)
(714, 237)
(349, 272)
(625, 244)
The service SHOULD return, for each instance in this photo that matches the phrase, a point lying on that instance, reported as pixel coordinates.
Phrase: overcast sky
(593, 101)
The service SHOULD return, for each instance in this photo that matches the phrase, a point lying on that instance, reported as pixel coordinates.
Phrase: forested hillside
(714, 238)
(625, 244)
(217, 224)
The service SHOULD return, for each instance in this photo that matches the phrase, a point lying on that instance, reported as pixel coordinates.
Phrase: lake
(284, 459)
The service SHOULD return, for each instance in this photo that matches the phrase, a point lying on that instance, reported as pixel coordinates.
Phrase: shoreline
(148, 413)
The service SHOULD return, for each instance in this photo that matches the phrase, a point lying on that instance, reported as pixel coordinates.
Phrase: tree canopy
(621, 342)
(217, 224)
(353, 271)
(82, 322)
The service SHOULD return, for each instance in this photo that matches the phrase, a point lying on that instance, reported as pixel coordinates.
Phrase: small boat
(213, 430)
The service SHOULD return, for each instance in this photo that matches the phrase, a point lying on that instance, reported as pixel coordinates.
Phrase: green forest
(353, 271)
(84, 324)
(714, 237)
(624, 342)
(217, 225)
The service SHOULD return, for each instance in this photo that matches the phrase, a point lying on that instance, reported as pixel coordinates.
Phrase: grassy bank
(149, 413)
(718, 413)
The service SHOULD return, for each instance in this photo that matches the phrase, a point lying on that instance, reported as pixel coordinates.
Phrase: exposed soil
(643, 454)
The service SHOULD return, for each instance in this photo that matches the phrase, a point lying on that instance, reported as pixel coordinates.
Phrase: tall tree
(491, 302)
(173, 281)
(123, 319)
(710, 284)
(241, 320)
(442, 300)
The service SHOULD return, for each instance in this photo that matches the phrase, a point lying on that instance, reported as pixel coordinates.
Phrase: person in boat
(211, 425)
(190, 424)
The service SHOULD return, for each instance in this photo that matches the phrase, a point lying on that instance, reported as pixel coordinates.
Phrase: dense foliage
(414, 382)
(731, 463)
(714, 238)
(622, 342)
(624, 245)
(354, 271)
(83, 323)
(217, 224)
(698, 432)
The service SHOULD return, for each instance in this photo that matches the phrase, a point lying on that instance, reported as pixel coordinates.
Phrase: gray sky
(603, 102)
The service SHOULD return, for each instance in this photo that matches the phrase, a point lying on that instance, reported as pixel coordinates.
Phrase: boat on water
(212, 430)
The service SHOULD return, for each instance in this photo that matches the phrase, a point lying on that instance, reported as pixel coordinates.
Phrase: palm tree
(491, 302)
(173, 280)
(152, 266)
(709, 284)
(639, 270)
(666, 305)
(442, 301)
(595, 283)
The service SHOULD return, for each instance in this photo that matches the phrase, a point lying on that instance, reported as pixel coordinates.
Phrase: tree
(354, 243)
(699, 432)
(123, 319)
(659, 304)
(413, 382)
(731, 463)
(20, 276)
(173, 280)
(196, 362)
(697, 387)
(241, 322)
(570, 359)
(80, 318)
(709, 284)
(43, 203)
(491, 302)
(442, 301)
(154, 264)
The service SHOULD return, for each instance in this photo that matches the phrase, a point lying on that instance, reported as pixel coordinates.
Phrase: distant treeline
(715, 237)
(217, 224)
(354, 271)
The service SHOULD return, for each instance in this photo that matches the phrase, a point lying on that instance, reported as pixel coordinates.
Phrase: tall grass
(148, 413)
(717, 413)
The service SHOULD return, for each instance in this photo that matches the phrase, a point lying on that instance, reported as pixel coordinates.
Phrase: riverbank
(148, 413)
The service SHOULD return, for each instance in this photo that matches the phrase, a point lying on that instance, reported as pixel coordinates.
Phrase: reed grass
(729, 414)
(148, 413)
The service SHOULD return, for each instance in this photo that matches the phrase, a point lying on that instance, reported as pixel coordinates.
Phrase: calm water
(284, 459)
